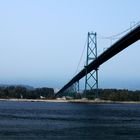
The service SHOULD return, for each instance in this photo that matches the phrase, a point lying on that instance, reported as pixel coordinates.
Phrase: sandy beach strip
(72, 101)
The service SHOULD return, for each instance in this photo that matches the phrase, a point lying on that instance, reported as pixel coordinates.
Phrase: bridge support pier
(91, 79)
(72, 90)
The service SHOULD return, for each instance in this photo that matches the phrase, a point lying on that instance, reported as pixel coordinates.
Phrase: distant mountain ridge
(26, 86)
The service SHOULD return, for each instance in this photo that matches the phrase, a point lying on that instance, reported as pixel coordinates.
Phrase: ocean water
(76, 121)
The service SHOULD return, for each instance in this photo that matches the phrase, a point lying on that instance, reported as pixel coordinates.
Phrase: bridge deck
(121, 44)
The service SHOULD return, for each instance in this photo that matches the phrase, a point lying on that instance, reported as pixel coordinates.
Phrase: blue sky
(41, 41)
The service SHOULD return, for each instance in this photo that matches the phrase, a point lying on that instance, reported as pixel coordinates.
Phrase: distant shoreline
(72, 101)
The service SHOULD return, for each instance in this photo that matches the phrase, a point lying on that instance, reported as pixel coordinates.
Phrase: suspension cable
(115, 36)
(81, 57)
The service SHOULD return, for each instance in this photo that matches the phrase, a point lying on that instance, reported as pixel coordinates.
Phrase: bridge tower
(91, 79)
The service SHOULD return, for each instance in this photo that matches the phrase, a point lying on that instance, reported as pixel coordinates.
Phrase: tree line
(23, 92)
(114, 94)
(107, 94)
(48, 93)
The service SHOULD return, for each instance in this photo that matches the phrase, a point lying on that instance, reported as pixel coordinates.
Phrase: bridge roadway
(121, 44)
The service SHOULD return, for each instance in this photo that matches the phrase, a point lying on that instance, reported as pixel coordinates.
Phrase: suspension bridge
(128, 39)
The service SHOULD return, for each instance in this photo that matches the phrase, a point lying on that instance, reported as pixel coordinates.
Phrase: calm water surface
(50, 121)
